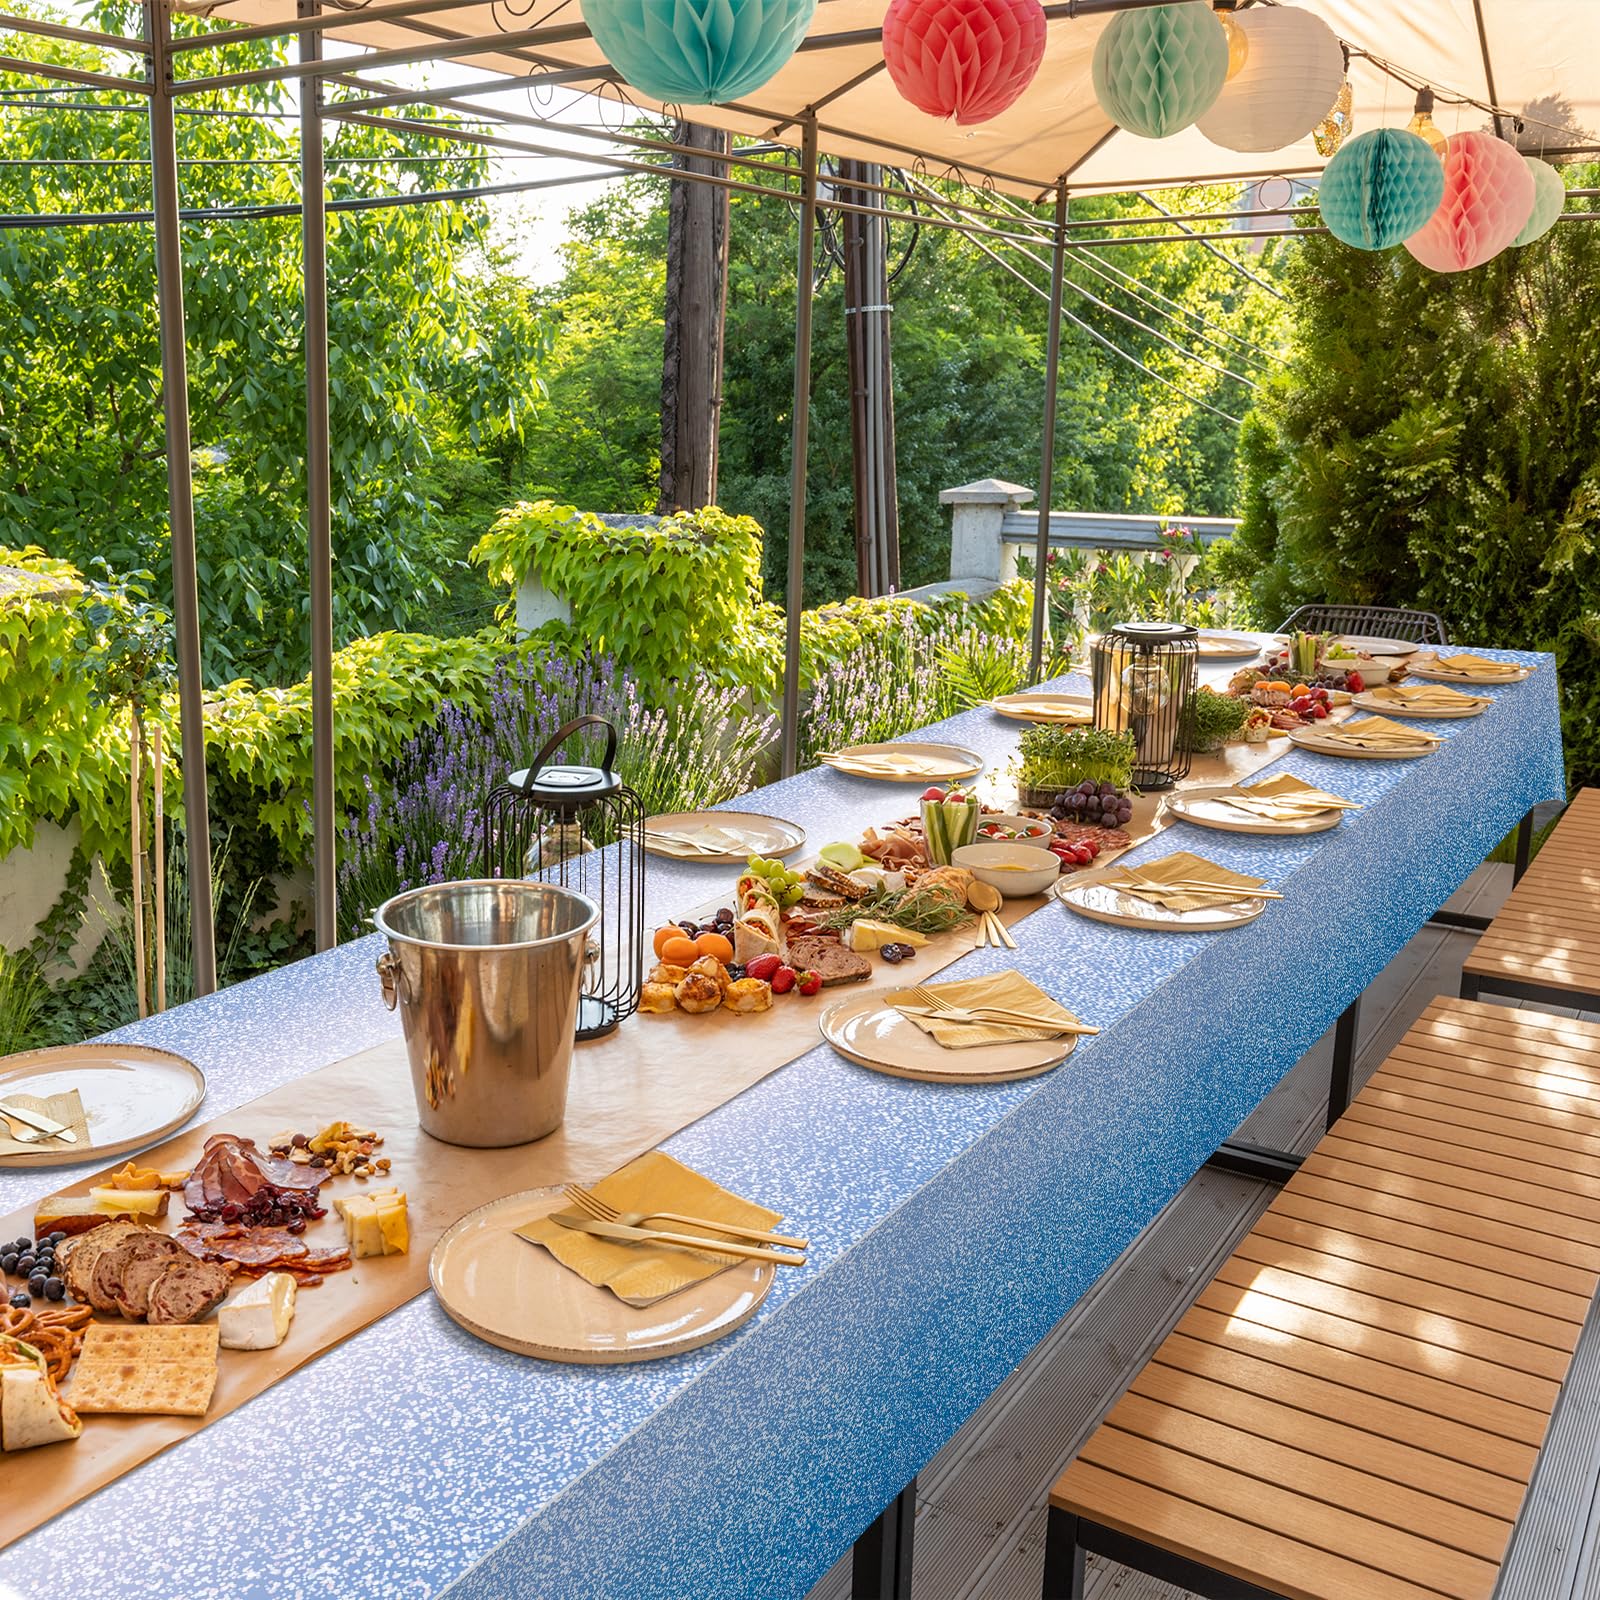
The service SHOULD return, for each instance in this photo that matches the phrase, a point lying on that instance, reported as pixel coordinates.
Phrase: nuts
(339, 1149)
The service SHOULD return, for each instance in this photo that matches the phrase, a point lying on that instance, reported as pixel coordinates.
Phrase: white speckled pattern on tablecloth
(951, 1228)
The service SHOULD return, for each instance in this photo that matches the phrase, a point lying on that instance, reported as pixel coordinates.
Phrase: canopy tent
(1528, 57)
(1505, 61)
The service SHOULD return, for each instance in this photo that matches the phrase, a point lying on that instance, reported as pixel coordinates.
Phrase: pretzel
(58, 1347)
(14, 1320)
(73, 1317)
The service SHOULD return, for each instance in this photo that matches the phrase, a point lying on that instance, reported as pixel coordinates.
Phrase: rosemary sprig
(923, 908)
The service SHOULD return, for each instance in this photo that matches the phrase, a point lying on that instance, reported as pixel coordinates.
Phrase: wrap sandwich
(32, 1412)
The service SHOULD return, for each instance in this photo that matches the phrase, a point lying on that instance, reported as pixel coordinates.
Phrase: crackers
(168, 1371)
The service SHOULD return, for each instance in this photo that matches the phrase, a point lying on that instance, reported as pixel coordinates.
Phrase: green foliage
(125, 647)
(434, 348)
(1436, 444)
(23, 996)
(683, 595)
(968, 380)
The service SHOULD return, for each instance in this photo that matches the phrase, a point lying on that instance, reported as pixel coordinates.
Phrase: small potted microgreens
(1056, 759)
(1210, 720)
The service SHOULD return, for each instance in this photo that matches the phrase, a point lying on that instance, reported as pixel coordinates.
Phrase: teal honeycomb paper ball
(698, 52)
(1549, 201)
(1380, 188)
(1157, 69)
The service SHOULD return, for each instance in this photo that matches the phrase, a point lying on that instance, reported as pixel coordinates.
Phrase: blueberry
(55, 1238)
(22, 1245)
(21, 1300)
(25, 1264)
(8, 1262)
(36, 1283)
(54, 1289)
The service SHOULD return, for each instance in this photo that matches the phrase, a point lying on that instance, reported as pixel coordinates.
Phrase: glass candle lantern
(1144, 674)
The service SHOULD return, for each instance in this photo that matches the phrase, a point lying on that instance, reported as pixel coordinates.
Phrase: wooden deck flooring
(980, 1502)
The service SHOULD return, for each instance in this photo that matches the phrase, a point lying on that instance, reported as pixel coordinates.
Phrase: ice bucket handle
(390, 977)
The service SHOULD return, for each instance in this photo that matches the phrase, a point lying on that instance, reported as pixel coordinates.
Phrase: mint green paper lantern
(698, 52)
(1380, 188)
(1158, 68)
(1549, 201)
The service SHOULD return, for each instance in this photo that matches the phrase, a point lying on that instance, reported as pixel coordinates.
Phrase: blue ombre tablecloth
(951, 1228)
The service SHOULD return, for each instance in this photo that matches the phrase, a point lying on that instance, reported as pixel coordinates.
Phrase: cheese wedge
(375, 1222)
(130, 1202)
(257, 1317)
(864, 934)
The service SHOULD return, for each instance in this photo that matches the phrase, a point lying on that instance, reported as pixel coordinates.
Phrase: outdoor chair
(1382, 622)
(1353, 1407)
(1543, 944)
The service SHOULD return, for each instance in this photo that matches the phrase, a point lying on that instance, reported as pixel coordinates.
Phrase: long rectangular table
(951, 1228)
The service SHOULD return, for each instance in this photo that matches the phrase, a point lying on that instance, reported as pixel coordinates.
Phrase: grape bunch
(1101, 805)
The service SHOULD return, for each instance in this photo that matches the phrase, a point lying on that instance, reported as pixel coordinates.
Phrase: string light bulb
(1340, 121)
(1422, 123)
(1238, 44)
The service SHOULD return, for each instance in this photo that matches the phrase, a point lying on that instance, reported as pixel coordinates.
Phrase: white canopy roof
(1537, 58)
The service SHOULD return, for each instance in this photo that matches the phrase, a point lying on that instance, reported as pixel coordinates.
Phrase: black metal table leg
(880, 1566)
(1063, 1557)
(1524, 847)
(1262, 1162)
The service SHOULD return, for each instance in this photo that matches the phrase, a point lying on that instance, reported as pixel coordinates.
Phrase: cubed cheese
(375, 1223)
(257, 1316)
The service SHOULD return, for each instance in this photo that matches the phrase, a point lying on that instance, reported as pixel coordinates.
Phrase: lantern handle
(560, 737)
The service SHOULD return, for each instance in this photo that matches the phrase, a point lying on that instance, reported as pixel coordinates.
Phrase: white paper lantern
(1290, 79)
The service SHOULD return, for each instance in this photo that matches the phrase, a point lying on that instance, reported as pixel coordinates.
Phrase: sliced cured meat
(234, 1180)
(143, 1260)
(257, 1250)
(186, 1290)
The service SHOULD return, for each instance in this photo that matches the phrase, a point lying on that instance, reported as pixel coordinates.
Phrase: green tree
(969, 379)
(1436, 443)
(434, 353)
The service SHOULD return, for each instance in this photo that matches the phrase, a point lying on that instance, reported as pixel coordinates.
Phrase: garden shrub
(1435, 443)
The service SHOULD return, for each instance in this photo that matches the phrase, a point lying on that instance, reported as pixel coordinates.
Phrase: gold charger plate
(1087, 894)
(132, 1095)
(758, 836)
(1430, 669)
(903, 762)
(1206, 807)
(518, 1296)
(867, 1030)
(1227, 647)
(1044, 707)
(1315, 740)
(1398, 708)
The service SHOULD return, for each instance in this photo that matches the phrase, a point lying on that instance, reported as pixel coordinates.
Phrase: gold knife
(56, 1130)
(578, 1223)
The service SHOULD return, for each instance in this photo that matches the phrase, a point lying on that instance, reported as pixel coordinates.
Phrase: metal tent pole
(319, 537)
(1047, 450)
(180, 492)
(795, 599)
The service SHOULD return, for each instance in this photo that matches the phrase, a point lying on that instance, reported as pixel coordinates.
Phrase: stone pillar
(977, 512)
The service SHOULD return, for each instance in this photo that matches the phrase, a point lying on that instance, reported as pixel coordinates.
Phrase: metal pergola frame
(997, 220)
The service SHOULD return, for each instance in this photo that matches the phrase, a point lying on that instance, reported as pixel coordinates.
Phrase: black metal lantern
(1144, 674)
(583, 828)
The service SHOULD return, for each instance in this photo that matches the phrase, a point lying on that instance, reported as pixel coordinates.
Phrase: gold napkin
(64, 1108)
(1426, 694)
(1009, 990)
(1377, 731)
(641, 1274)
(1479, 666)
(1184, 866)
(1046, 710)
(1286, 786)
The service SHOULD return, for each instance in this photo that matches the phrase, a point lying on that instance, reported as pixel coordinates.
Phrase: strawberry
(763, 967)
(1354, 682)
(782, 980)
(809, 982)
(934, 793)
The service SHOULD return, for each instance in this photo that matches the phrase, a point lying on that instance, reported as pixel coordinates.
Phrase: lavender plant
(423, 821)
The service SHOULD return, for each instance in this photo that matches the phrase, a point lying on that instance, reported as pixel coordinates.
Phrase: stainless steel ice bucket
(486, 975)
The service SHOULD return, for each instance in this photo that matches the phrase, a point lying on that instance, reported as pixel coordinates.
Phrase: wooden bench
(1352, 1409)
(1544, 942)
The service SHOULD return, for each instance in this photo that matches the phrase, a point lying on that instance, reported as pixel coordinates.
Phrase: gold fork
(588, 1201)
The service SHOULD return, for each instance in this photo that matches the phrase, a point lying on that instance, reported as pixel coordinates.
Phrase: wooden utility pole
(866, 318)
(697, 299)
